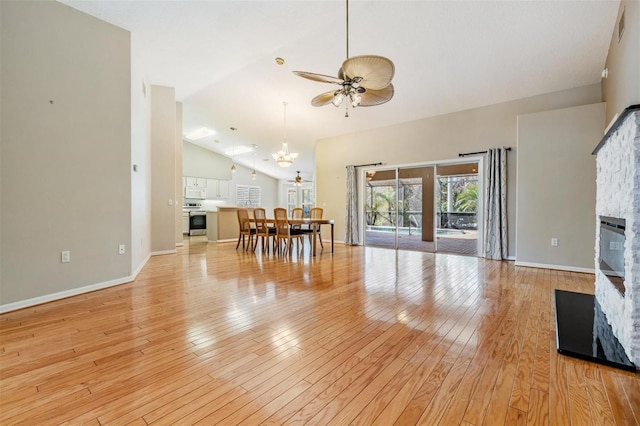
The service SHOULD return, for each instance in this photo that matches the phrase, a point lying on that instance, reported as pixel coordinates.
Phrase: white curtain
(495, 214)
(352, 237)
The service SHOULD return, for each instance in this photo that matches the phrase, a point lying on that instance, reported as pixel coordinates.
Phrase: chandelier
(284, 158)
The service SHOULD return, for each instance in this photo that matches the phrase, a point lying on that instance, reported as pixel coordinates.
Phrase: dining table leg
(315, 234)
(331, 237)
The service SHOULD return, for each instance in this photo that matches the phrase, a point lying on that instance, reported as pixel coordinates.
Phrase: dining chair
(285, 233)
(296, 214)
(263, 230)
(245, 228)
(314, 213)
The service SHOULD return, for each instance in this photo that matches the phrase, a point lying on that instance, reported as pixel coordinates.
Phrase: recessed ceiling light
(200, 133)
(279, 61)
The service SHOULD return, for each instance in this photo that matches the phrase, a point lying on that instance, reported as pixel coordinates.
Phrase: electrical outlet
(65, 256)
(554, 242)
(121, 249)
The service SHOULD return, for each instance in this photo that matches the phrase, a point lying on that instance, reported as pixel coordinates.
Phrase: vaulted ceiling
(449, 56)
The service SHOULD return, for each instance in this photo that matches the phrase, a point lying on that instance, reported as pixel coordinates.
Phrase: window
(292, 199)
(248, 195)
(307, 201)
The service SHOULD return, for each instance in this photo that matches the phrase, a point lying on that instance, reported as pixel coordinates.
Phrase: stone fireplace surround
(618, 196)
(605, 327)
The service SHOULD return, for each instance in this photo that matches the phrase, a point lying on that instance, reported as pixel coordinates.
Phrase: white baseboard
(142, 265)
(163, 252)
(179, 244)
(62, 294)
(80, 290)
(556, 267)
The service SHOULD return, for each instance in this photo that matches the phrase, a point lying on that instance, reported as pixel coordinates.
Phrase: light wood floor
(364, 336)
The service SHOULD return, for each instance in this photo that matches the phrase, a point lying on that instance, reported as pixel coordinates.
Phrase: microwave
(195, 193)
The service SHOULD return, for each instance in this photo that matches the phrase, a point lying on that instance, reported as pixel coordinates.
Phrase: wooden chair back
(243, 221)
(316, 213)
(260, 217)
(280, 213)
(297, 213)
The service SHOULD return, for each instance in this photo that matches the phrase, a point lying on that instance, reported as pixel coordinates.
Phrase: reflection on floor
(465, 244)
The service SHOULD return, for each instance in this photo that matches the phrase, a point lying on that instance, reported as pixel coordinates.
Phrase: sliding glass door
(381, 208)
(425, 208)
(457, 202)
(399, 208)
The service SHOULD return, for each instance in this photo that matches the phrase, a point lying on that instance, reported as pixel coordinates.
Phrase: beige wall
(178, 175)
(622, 87)
(557, 186)
(66, 151)
(163, 166)
(434, 139)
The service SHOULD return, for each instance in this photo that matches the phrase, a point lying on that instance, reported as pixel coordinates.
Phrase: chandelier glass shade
(284, 158)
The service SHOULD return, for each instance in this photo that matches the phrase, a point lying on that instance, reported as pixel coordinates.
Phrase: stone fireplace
(617, 249)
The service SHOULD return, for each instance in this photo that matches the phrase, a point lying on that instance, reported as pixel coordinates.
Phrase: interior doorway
(430, 208)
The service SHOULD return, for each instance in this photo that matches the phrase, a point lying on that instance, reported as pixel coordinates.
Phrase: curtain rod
(480, 152)
(370, 164)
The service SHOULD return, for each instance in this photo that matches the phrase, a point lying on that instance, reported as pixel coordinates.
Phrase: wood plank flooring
(365, 336)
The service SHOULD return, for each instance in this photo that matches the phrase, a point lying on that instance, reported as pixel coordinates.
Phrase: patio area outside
(449, 240)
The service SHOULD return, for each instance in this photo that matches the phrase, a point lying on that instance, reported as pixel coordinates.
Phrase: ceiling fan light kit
(364, 80)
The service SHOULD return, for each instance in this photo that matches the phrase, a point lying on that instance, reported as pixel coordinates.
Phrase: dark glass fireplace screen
(612, 250)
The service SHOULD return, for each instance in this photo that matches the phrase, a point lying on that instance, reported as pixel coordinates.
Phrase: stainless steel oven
(197, 223)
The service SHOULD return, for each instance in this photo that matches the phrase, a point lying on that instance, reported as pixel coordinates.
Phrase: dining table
(314, 225)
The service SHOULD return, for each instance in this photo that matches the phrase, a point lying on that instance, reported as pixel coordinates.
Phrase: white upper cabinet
(217, 189)
(195, 182)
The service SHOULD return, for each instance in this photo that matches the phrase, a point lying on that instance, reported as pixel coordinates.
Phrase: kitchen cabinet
(195, 182)
(185, 223)
(217, 189)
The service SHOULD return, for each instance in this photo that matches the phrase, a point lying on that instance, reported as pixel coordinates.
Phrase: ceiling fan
(297, 181)
(363, 80)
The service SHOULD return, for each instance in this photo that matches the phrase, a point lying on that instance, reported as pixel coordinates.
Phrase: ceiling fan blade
(323, 99)
(377, 97)
(319, 77)
(376, 71)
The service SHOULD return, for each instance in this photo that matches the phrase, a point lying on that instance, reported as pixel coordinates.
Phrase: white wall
(433, 139)
(140, 246)
(557, 187)
(66, 152)
(201, 162)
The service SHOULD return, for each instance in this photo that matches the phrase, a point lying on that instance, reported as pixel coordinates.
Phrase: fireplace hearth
(582, 331)
(605, 327)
